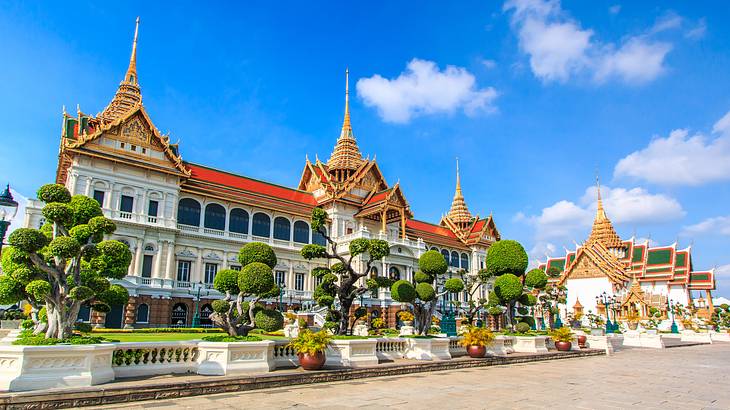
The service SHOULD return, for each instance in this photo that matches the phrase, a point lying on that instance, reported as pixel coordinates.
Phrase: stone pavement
(694, 377)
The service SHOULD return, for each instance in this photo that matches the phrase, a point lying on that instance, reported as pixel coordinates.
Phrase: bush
(220, 306)
(403, 291)
(53, 193)
(494, 310)
(528, 299)
(527, 319)
(64, 247)
(226, 281)
(454, 285)
(115, 295)
(522, 328)
(256, 278)
(27, 239)
(432, 263)
(506, 256)
(269, 320)
(536, 279)
(421, 277)
(226, 338)
(507, 287)
(38, 289)
(425, 292)
(308, 342)
(83, 327)
(522, 310)
(257, 252)
(57, 212)
(84, 208)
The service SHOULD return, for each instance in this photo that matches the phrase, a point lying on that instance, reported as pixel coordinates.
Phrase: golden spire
(346, 156)
(128, 94)
(603, 230)
(459, 213)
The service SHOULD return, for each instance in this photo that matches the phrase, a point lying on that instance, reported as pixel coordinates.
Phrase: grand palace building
(636, 276)
(184, 222)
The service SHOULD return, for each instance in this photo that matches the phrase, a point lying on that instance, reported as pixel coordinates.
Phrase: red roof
(379, 197)
(202, 173)
(479, 225)
(427, 227)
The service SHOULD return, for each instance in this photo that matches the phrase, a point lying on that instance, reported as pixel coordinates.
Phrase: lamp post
(615, 304)
(282, 289)
(196, 315)
(674, 324)
(8, 209)
(605, 299)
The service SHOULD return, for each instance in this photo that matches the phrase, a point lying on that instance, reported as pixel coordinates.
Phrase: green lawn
(166, 337)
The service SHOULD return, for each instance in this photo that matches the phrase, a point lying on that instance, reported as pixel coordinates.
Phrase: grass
(169, 337)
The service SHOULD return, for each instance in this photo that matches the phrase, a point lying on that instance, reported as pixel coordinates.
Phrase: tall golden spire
(346, 156)
(459, 213)
(128, 94)
(603, 230)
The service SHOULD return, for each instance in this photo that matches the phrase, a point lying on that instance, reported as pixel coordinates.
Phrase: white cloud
(559, 48)
(489, 64)
(698, 31)
(719, 225)
(615, 9)
(424, 89)
(681, 159)
(571, 221)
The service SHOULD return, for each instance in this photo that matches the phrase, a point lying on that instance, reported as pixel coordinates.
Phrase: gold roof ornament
(346, 156)
(459, 213)
(603, 230)
(128, 94)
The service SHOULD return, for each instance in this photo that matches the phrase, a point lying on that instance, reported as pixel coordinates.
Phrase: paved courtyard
(680, 378)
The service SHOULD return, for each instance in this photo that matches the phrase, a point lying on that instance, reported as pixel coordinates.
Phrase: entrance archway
(114, 317)
(179, 317)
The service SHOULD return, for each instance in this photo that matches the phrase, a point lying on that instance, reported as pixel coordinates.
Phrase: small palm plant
(476, 340)
(310, 347)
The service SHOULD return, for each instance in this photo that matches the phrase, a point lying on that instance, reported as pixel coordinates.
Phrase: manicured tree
(66, 263)
(550, 298)
(340, 280)
(508, 289)
(254, 280)
(506, 256)
(472, 285)
(422, 294)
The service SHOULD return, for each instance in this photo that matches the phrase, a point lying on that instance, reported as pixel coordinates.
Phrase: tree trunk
(345, 305)
(423, 314)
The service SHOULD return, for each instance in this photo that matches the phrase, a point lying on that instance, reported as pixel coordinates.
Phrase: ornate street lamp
(196, 315)
(674, 324)
(8, 209)
(615, 305)
(282, 289)
(605, 299)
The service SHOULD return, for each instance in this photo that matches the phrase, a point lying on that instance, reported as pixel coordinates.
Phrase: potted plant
(476, 340)
(633, 320)
(310, 347)
(563, 338)
(406, 317)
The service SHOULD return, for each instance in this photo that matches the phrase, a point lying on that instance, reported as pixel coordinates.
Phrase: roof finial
(131, 76)
(458, 178)
(459, 213)
(346, 123)
(346, 155)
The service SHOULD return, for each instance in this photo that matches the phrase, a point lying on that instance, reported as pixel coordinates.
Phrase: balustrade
(154, 358)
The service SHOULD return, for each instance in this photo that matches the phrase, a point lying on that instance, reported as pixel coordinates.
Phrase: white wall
(586, 291)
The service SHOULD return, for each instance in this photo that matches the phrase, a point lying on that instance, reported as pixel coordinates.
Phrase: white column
(138, 257)
(158, 262)
(170, 272)
(198, 268)
(72, 183)
(290, 277)
(87, 190)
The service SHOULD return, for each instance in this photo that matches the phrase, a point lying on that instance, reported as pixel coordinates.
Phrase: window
(143, 313)
(183, 271)
(210, 270)
(465, 261)
(99, 196)
(317, 237)
(188, 212)
(152, 209)
(127, 204)
(446, 255)
(454, 259)
(239, 221)
(317, 280)
(215, 217)
(261, 225)
(147, 266)
(84, 314)
(236, 267)
(301, 232)
(282, 228)
(299, 281)
(280, 277)
(394, 273)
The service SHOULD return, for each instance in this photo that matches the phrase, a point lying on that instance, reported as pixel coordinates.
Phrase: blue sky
(534, 98)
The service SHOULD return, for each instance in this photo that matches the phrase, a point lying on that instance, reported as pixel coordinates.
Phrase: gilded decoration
(135, 131)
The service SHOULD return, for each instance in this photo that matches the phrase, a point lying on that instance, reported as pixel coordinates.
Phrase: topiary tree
(340, 279)
(254, 280)
(422, 294)
(473, 284)
(506, 256)
(508, 289)
(66, 264)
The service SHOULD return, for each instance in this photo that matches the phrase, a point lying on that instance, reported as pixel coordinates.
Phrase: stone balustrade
(456, 349)
(154, 358)
(388, 348)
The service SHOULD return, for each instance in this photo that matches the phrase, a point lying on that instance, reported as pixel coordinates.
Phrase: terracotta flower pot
(312, 362)
(582, 339)
(563, 346)
(476, 352)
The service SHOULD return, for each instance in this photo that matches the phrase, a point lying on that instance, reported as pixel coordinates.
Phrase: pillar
(129, 312)
(97, 319)
(138, 257)
(198, 268)
(158, 261)
(403, 224)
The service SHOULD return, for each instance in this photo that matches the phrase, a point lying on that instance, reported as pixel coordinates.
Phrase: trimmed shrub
(256, 278)
(508, 287)
(421, 277)
(257, 252)
(269, 320)
(84, 208)
(425, 292)
(522, 327)
(536, 279)
(506, 256)
(53, 193)
(432, 263)
(454, 285)
(64, 247)
(58, 212)
(226, 281)
(27, 239)
(528, 299)
(527, 319)
(220, 306)
(403, 291)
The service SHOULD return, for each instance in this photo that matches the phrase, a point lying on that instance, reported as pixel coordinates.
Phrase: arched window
(446, 255)
(464, 261)
(261, 225)
(455, 259)
(205, 311)
(433, 248)
(373, 271)
(239, 221)
(215, 217)
(143, 313)
(394, 273)
(188, 212)
(317, 237)
(179, 316)
(301, 232)
(282, 228)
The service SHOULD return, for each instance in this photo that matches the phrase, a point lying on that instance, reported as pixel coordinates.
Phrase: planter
(476, 352)
(720, 337)
(407, 323)
(500, 346)
(582, 339)
(633, 338)
(436, 348)
(224, 358)
(407, 330)
(691, 336)
(360, 330)
(633, 325)
(563, 346)
(596, 331)
(529, 344)
(352, 353)
(312, 362)
(24, 368)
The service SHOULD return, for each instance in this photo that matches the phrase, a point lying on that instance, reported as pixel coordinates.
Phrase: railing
(456, 348)
(145, 281)
(154, 358)
(391, 348)
(284, 356)
(182, 284)
(214, 232)
(152, 219)
(188, 228)
(125, 215)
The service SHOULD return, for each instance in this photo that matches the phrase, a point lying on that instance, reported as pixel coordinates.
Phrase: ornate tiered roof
(128, 94)
(346, 155)
(459, 212)
(603, 230)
